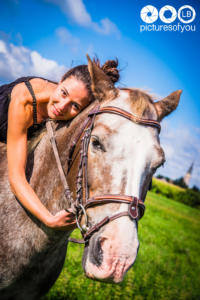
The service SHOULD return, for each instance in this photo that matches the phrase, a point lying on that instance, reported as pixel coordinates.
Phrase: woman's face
(68, 99)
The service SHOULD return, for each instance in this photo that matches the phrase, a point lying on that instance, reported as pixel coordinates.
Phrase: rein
(67, 191)
(136, 206)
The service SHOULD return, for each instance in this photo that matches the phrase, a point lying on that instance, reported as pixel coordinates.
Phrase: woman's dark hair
(81, 73)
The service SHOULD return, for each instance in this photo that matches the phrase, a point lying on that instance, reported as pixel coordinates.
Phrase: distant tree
(180, 182)
(195, 188)
(163, 177)
(159, 176)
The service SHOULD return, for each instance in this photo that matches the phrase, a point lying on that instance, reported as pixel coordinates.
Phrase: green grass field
(167, 266)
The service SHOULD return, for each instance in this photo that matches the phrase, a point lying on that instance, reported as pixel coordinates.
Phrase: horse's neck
(43, 170)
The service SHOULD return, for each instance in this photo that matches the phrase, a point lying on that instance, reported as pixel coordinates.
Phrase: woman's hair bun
(110, 69)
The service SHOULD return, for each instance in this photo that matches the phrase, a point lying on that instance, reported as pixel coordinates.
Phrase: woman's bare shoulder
(20, 93)
(20, 110)
(41, 88)
(39, 84)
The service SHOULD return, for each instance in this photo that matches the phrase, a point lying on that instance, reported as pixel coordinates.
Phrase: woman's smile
(56, 111)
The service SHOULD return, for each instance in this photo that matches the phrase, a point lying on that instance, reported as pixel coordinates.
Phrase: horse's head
(122, 157)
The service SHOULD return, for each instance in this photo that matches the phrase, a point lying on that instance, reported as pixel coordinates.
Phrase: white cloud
(181, 146)
(106, 27)
(17, 61)
(76, 11)
(67, 38)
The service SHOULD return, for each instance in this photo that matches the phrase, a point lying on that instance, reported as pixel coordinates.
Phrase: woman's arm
(19, 119)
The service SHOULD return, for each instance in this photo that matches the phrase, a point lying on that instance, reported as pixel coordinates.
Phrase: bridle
(136, 206)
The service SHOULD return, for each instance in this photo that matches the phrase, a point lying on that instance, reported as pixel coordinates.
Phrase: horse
(122, 156)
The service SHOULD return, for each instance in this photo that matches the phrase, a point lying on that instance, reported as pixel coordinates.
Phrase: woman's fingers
(68, 215)
(63, 220)
(69, 210)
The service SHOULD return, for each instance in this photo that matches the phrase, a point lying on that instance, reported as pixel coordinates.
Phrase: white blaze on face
(128, 156)
(129, 149)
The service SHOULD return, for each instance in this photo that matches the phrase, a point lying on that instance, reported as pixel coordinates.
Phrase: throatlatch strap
(29, 86)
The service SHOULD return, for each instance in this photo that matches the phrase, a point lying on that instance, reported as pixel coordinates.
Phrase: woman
(29, 101)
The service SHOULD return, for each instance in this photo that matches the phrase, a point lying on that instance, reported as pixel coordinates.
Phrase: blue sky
(46, 37)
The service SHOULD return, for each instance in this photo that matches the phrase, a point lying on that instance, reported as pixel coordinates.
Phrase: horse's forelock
(142, 103)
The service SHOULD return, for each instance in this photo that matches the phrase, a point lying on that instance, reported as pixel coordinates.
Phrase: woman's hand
(63, 220)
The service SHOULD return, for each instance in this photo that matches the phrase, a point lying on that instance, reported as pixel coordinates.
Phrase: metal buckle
(133, 209)
(83, 228)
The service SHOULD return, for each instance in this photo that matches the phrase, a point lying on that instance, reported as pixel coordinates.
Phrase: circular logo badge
(168, 14)
(186, 14)
(149, 14)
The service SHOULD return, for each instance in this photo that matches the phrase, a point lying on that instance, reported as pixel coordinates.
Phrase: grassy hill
(184, 195)
(167, 184)
(167, 266)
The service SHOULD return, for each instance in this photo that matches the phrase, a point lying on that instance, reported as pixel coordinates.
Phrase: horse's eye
(97, 144)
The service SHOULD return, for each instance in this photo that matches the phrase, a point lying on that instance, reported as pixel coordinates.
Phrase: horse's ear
(165, 106)
(101, 85)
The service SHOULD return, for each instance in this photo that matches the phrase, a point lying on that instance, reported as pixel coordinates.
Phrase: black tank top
(5, 97)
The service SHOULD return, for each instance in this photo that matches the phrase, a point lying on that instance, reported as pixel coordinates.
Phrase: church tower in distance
(188, 175)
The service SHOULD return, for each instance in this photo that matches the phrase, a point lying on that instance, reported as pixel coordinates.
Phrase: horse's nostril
(96, 256)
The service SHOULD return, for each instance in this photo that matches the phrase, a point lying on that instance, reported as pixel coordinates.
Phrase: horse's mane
(33, 142)
(140, 93)
(2, 150)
